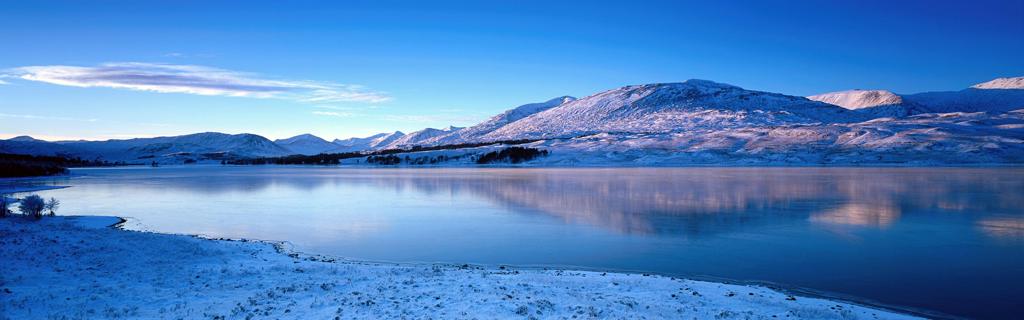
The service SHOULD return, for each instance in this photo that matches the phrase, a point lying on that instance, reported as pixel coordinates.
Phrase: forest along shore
(81, 267)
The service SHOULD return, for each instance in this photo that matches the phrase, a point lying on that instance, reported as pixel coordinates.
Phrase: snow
(306, 144)
(357, 144)
(858, 99)
(160, 149)
(670, 107)
(426, 136)
(475, 133)
(1002, 83)
(920, 140)
(73, 267)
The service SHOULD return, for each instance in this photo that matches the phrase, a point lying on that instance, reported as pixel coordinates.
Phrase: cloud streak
(333, 114)
(198, 80)
(37, 117)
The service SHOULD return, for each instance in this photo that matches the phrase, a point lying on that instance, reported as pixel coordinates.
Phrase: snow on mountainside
(476, 132)
(1002, 83)
(355, 144)
(999, 95)
(668, 108)
(374, 142)
(970, 100)
(385, 140)
(696, 122)
(306, 144)
(423, 137)
(32, 146)
(919, 140)
(207, 145)
(871, 103)
(858, 99)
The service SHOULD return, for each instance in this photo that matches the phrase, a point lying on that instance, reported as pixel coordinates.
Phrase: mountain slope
(871, 103)
(427, 136)
(970, 100)
(197, 146)
(1002, 83)
(374, 142)
(859, 99)
(476, 132)
(668, 108)
(998, 95)
(306, 144)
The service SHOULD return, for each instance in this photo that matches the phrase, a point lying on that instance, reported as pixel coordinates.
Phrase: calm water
(950, 240)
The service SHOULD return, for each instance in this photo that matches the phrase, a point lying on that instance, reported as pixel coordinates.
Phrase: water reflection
(631, 200)
(1008, 228)
(628, 201)
(860, 214)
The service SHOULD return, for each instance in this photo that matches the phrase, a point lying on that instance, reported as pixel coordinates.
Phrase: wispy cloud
(333, 114)
(187, 55)
(2, 82)
(38, 117)
(335, 108)
(192, 79)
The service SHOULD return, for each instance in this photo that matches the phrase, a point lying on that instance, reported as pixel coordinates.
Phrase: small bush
(51, 206)
(32, 206)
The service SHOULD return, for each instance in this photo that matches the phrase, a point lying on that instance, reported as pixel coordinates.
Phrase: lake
(944, 239)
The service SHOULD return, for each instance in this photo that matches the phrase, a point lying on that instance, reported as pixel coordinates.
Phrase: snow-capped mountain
(356, 144)
(374, 142)
(1002, 83)
(207, 145)
(428, 136)
(871, 103)
(476, 132)
(691, 122)
(859, 99)
(970, 100)
(670, 107)
(306, 144)
(999, 95)
(33, 146)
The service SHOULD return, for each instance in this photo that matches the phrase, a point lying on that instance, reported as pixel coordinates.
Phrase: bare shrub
(32, 206)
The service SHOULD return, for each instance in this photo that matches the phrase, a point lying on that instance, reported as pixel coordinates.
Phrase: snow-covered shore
(79, 267)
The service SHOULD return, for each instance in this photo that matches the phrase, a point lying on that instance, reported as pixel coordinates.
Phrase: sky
(338, 69)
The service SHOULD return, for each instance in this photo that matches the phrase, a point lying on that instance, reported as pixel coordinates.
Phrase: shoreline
(258, 279)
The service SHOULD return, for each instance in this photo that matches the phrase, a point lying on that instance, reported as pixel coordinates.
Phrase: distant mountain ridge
(999, 95)
(652, 118)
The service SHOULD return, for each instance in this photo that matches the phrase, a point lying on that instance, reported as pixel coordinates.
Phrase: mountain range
(686, 123)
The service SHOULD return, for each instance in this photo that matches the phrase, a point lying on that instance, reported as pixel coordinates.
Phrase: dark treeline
(335, 158)
(20, 165)
(423, 160)
(511, 155)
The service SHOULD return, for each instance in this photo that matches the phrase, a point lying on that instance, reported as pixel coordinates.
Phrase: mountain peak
(1002, 83)
(858, 99)
(24, 138)
(301, 137)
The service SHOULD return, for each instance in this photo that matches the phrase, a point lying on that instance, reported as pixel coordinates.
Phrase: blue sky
(98, 70)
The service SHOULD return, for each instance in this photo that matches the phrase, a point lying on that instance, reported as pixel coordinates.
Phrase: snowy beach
(81, 267)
